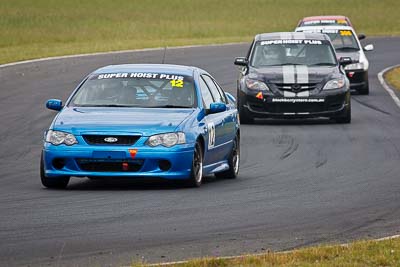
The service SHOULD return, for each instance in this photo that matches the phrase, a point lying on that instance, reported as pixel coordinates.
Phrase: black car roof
(290, 36)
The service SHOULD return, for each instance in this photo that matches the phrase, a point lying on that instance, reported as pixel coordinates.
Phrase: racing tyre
(54, 183)
(346, 117)
(243, 113)
(364, 90)
(233, 161)
(196, 175)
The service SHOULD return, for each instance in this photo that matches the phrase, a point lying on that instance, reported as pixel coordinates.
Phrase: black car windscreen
(292, 52)
(136, 89)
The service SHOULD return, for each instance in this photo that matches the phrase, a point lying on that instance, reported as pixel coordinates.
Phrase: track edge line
(257, 254)
(386, 86)
(111, 53)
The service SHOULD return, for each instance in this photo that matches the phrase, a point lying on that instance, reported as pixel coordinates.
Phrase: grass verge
(393, 78)
(360, 253)
(41, 28)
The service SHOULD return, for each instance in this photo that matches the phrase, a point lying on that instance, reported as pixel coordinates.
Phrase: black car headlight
(256, 85)
(335, 84)
(167, 139)
(57, 138)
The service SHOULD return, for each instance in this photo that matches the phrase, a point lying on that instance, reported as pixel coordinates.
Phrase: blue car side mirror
(54, 104)
(217, 107)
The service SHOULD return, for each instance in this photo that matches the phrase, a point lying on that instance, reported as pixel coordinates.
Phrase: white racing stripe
(285, 35)
(301, 35)
(302, 74)
(304, 94)
(288, 74)
(288, 94)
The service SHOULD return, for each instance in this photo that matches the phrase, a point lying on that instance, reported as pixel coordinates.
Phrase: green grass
(393, 77)
(361, 253)
(41, 28)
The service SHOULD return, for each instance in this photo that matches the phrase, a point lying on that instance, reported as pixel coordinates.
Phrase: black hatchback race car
(293, 75)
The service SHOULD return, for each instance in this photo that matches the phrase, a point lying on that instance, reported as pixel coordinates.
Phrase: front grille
(301, 87)
(289, 107)
(100, 165)
(101, 139)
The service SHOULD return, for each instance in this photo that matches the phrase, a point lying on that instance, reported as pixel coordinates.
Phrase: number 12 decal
(211, 135)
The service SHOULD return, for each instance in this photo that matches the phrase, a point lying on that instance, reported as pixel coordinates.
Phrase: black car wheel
(196, 176)
(346, 117)
(233, 161)
(244, 115)
(55, 182)
(364, 90)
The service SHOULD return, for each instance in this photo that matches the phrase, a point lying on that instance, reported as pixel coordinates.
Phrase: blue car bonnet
(144, 121)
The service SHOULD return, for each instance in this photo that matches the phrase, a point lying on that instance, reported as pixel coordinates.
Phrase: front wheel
(196, 175)
(244, 115)
(346, 117)
(364, 90)
(54, 182)
(233, 161)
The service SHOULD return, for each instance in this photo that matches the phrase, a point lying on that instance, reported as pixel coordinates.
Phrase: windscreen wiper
(346, 48)
(169, 106)
(107, 105)
(323, 64)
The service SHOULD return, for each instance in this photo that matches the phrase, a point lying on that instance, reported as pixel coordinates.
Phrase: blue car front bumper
(118, 161)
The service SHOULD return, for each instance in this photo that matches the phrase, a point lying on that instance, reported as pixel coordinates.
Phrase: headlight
(256, 85)
(355, 66)
(334, 84)
(167, 139)
(57, 138)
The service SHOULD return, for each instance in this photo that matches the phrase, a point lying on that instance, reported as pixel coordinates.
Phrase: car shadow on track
(118, 184)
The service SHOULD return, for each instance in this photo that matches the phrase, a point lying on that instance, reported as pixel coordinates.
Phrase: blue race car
(143, 120)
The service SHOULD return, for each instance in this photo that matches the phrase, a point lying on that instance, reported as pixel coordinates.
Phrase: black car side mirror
(241, 61)
(361, 36)
(343, 61)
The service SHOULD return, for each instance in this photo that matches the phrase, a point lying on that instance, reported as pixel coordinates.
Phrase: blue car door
(218, 145)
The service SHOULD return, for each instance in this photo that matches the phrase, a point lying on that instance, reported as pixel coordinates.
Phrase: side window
(213, 88)
(221, 92)
(249, 51)
(205, 93)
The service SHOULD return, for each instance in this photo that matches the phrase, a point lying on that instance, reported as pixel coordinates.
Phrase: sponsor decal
(177, 83)
(291, 41)
(133, 153)
(260, 95)
(145, 75)
(211, 135)
(322, 21)
(345, 33)
(298, 100)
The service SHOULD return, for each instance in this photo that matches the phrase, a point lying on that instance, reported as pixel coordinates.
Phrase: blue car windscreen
(136, 89)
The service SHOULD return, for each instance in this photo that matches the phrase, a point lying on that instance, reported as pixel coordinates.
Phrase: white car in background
(347, 44)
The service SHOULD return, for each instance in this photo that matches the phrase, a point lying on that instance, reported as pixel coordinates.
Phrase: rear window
(136, 89)
(325, 22)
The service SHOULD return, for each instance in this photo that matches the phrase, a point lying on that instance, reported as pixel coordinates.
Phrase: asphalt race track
(301, 182)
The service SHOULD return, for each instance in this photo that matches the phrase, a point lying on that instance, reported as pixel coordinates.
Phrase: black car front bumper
(358, 78)
(328, 104)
